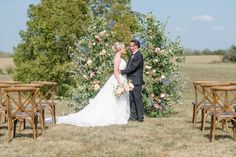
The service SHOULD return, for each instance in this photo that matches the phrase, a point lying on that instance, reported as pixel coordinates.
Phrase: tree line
(229, 54)
(4, 54)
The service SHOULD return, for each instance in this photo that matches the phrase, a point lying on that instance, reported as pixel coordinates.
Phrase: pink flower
(152, 95)
(98, 38)
(92, 74)
(85, 77)
(157, 50)
(158, 106)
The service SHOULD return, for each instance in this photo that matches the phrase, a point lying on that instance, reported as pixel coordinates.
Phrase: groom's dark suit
(134, 71)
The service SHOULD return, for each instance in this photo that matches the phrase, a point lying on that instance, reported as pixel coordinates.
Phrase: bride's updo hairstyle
(117, 46)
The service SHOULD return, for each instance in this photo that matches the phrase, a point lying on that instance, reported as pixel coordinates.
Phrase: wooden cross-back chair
(38, 101)
(48, 97)
(198, 99)
(3, 106)
(207, 106)
(234, 83)
(10, 82)
(21, 107)
(223, 96)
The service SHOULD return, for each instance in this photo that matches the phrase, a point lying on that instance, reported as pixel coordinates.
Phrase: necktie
(132, 56)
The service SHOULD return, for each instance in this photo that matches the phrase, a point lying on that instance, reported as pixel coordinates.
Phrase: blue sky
(199, 23)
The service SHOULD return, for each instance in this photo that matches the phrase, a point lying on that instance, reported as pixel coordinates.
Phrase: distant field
(203, 59)
(5, 65)
(6, 62)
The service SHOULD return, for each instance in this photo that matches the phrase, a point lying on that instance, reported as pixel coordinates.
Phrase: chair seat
(224, 114)
(23, 114)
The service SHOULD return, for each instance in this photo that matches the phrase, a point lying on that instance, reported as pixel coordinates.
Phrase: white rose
(163, 95)
(96, 87)
(162, 76)
(89, 62)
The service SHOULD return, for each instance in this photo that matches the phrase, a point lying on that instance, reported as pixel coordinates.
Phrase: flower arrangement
(92, 65)
(123, 88)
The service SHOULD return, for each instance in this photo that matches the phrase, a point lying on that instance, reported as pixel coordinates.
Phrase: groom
(134, 72)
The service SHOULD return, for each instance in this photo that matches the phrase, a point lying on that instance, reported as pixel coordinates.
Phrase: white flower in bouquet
(119, 90)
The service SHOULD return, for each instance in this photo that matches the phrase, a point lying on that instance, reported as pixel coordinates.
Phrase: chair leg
(14, 128)
(54, 113)
(212, 133)
(195, 111)
(42, 118)
(203, 122)
(234, 128)
(34, 127)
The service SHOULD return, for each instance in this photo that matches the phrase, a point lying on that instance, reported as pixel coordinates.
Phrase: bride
(105, 108)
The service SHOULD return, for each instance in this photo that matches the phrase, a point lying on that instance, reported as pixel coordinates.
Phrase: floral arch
(92, 65)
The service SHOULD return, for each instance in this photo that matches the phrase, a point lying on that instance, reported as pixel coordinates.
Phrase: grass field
(6, 64)
(174, 136)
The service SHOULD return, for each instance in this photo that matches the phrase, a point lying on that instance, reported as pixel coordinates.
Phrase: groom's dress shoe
(131, 120)
(140, 120)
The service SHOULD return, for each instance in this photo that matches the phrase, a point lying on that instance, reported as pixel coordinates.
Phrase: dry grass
(162, 137)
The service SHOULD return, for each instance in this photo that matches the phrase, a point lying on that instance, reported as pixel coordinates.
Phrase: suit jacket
(134, 69)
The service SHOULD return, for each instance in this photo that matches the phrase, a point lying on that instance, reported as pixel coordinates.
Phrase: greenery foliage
(44, 53)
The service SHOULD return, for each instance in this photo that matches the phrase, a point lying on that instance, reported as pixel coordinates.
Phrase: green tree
(231, 55)
(44, 53)
(119, 14)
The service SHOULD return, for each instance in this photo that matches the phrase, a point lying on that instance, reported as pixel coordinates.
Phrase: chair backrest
(207, 93)
(225, 96)
(10, 82)
(3, 97)
(198, 91)
(49, 89)
(38, 87)
(20, 100)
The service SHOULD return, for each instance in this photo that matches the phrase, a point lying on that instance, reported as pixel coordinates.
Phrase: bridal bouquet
(120, 88)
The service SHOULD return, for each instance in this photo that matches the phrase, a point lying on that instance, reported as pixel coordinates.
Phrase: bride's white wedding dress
(104, 109)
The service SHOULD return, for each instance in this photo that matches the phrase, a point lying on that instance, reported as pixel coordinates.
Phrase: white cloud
(218, 28)
(179, 29)
(203, 18)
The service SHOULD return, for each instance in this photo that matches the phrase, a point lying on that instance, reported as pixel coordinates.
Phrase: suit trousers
(136, 103)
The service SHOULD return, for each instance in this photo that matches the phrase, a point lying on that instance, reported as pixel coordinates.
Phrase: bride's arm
(117, 61)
